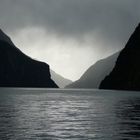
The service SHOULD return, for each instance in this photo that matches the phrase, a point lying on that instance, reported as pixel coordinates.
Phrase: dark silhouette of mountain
(19, 70)
(96, 73)
(126, 73)
(60, 80)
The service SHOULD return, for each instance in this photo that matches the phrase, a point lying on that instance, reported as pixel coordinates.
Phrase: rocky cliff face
(19, 70)
(126, 73)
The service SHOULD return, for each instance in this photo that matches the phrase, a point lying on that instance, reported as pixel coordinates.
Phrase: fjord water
(48, 114)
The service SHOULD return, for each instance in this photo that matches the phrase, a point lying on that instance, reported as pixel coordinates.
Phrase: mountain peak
(137, 30)
(134, 40)
(5, 38)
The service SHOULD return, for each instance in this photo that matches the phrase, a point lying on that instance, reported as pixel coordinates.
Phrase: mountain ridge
(60, 80)
(19, 70)
(95, 73)
(126, 73)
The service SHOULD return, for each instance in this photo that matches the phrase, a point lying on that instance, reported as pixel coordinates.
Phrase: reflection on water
(128, 111)
(69, 115)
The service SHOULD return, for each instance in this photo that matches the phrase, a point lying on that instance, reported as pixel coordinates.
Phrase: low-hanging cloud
(101, 26)
(113, 20)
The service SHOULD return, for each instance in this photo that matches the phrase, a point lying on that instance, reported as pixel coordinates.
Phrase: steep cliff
(19, 70)
(126, 73)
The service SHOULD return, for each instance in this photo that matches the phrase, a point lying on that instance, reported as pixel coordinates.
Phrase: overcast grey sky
(70, 35)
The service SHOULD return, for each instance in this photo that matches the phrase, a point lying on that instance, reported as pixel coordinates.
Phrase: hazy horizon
(69, 35)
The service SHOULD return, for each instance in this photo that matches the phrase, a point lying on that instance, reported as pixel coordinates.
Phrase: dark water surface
(42, 114)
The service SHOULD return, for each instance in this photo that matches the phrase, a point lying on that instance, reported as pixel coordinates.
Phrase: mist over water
(39, 114)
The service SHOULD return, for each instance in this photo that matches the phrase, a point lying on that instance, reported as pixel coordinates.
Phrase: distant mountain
(19, 70)
(96, 73)
(59, 80)
(126, 73)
